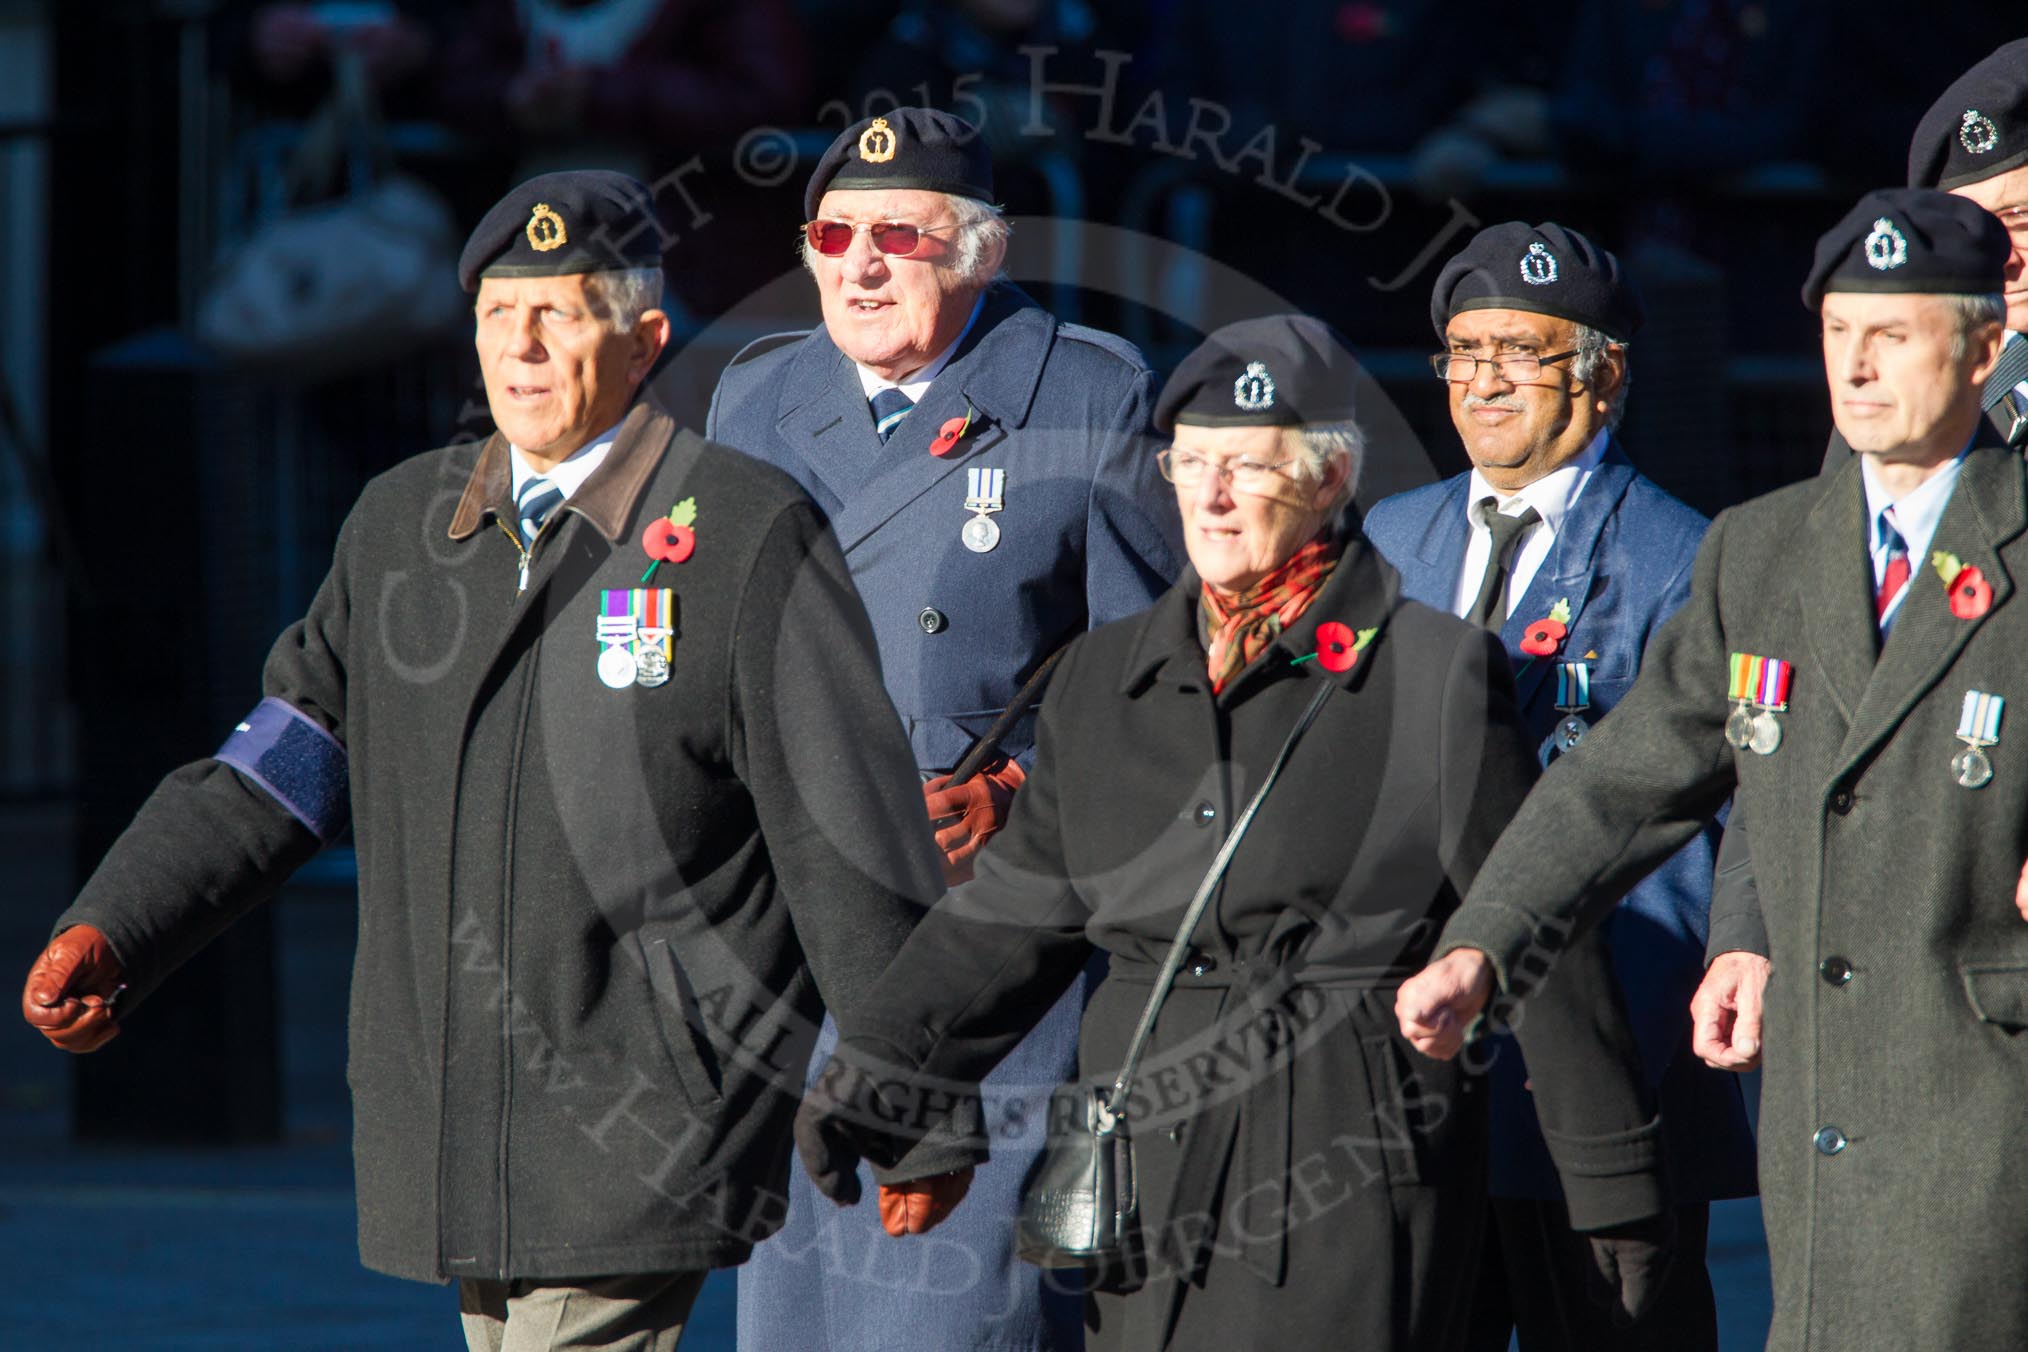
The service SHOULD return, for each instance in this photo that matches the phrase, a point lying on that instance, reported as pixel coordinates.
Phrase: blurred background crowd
(229, 229)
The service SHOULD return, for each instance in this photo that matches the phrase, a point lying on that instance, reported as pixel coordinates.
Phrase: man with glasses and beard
(1555, 542)
(987, 472)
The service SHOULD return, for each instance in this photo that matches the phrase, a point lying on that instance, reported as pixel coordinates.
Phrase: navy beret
(1979, 127)
(1277, 371)
(1911, 240)
(1543, 269)
(907, 148)
(581, 220)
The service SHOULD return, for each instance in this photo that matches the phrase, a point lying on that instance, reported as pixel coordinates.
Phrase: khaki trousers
(644, 1312)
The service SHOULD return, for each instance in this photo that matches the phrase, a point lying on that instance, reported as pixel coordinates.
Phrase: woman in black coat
(1305, 1179)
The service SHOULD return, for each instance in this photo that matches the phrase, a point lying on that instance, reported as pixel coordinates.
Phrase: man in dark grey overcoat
(988, 473)
(1973, 141)
(605, 715)
(1843, 662)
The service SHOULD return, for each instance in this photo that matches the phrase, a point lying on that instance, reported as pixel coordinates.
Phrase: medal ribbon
(616, 617)
(1773, 688)
(1741, 677)
(654, 606)
(1573, 686)
(986, 489)
(1980, 721)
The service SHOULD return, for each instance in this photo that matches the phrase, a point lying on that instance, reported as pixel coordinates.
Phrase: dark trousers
(1531, 1281)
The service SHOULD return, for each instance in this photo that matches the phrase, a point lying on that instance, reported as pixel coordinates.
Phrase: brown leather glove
(71, 990)
(920, 1205)
(1629, 1263)
(967, 816)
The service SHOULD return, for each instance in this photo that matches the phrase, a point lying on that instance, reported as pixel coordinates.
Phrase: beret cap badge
(877, 142)
(1538, 265)
(545, 229)
(1255, 388)
(1977, 133)
(1886, 247)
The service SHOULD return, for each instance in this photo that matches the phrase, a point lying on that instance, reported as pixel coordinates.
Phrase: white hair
(1973, 313)
(1315, 445)
(626, 294)
(981, 232)
(1590, 359)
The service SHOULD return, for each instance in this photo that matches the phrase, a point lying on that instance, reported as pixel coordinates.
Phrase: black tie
(1490, 607)
(890, 406)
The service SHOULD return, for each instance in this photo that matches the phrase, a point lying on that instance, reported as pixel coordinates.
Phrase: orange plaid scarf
(1239, 627)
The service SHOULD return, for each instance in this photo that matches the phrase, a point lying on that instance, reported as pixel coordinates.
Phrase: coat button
(1841, 801)
(1202, 964)
(1205, 814)
(1829, 1141)
(1835, 970)
(932, 620)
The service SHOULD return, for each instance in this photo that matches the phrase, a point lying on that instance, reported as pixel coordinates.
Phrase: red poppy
(667, 541)
(949, 434)
(1337, 646)
(1544, 637)
(1970, 594)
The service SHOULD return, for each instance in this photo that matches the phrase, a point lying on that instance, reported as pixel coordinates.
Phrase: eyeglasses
(1516, 368)
(898, 239)
(1188, 468)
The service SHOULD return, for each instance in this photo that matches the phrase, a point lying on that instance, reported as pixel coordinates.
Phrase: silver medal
(1570, 732)
(651, 668)
(1767, 733)
(980, 534)
(985, 494)
(616, 667)
(1739, 726)
(1972, 768)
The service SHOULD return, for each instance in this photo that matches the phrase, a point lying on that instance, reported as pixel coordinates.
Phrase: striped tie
(890, 406)
(1894, 577)
(539, 498)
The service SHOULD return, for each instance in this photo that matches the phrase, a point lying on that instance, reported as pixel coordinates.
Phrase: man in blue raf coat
(988, 473)
(1555, 541)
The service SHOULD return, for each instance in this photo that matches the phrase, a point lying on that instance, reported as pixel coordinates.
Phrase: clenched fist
(71, 990)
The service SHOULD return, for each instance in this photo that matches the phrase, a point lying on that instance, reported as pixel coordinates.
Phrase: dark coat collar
(1362, 592)
(607, 497)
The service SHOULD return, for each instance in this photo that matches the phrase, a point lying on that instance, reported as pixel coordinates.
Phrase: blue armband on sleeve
(301, 766)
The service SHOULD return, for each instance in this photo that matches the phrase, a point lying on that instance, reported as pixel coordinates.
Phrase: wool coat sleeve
(1643, 782)
(996, 953)
(1584, 1063)
(210, 843)
(817, 745)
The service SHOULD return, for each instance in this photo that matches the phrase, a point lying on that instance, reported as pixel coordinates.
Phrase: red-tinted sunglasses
(896, 238)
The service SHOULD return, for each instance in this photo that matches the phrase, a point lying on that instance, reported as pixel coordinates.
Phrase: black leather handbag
(1079, 1207)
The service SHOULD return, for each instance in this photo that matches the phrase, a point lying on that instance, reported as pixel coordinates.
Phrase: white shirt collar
(1550, 496)
(1916, 514)
(571, 474)
(918, 382)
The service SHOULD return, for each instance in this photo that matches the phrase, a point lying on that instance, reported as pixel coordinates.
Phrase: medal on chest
(1573, 697)
(636, 627)
(1978, 728)
(985, 494)
(1762, 682)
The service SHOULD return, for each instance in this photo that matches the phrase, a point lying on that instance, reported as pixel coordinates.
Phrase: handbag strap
(1172, 963)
